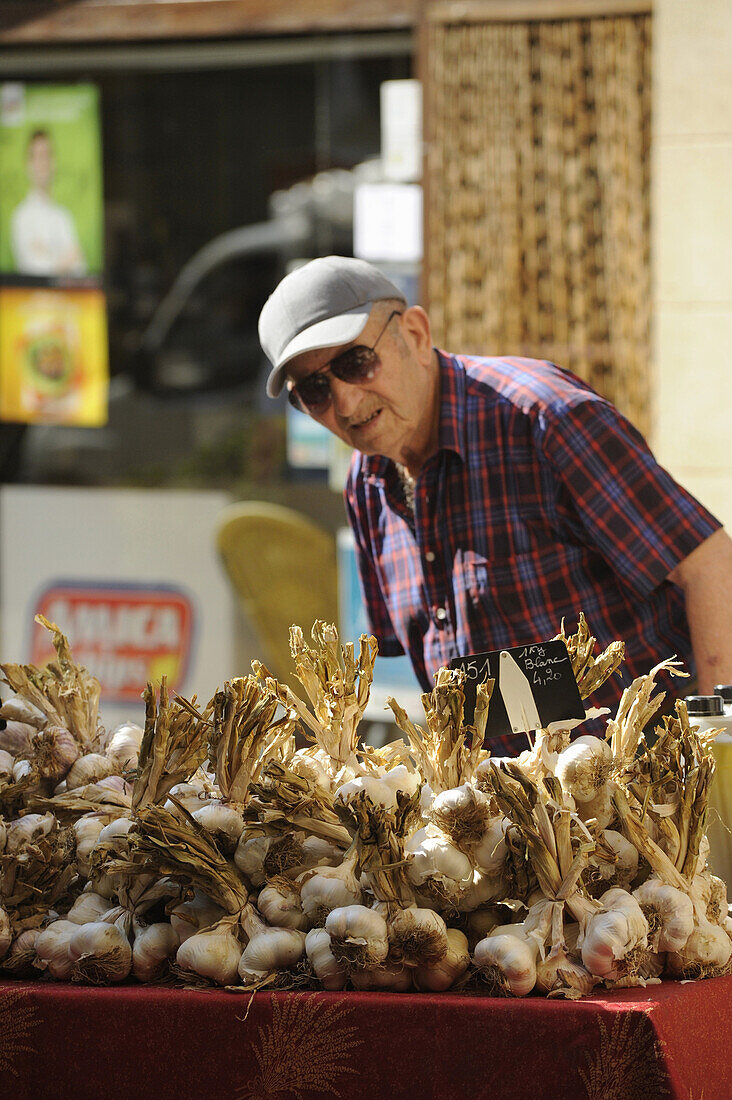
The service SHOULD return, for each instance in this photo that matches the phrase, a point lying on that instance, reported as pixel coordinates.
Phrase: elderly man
(492, 497)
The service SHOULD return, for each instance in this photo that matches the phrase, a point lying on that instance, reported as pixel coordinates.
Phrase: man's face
(391, 413)
(40, 162)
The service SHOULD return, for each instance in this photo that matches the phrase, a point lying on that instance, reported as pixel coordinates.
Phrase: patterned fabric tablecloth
(61, 1041)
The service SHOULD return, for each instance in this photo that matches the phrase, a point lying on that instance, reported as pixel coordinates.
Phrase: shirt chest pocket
(514, 600)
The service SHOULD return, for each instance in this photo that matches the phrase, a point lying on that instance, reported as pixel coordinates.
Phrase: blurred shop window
(192, 161)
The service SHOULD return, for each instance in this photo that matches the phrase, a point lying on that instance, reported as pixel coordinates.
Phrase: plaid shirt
(541, 501)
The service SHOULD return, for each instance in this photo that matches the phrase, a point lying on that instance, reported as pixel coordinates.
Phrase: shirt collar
(451, 435)
(451, 432)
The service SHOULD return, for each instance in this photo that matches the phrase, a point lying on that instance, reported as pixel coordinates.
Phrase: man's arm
(706, 579)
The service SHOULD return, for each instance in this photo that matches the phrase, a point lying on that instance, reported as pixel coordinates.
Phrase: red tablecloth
(62, 1041)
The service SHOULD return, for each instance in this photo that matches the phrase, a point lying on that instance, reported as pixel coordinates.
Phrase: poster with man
(53, 334)
(51, 215)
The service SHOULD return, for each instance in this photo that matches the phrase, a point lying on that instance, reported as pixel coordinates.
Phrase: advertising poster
(53, 330)
(51, 214)
(53, 356)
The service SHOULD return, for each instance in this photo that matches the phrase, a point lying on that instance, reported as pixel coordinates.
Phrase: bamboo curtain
(537, 194)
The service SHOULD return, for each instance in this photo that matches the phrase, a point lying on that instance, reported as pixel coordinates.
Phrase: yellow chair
(283, 568)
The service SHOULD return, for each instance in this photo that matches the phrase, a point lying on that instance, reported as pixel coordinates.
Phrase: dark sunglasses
(358, 364)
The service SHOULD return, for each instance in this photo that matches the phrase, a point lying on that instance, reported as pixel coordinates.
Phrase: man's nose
(345, 396)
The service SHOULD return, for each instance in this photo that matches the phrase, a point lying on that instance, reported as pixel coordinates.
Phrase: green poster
(51, 213)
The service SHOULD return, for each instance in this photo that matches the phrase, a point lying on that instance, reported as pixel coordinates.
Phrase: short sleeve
(627, 506)
(377, 614)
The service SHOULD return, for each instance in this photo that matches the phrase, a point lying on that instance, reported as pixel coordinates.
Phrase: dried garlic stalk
(173, 746)
(447, 753)
(284, 801)
(636, 709)
(336, 683)
(245, 738)
(590, 672)
(63, 691)
(174, 844)
(34, 879)
(379, 836)
(93, 798)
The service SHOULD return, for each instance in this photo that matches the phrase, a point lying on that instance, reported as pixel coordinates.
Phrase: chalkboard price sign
(535, 686)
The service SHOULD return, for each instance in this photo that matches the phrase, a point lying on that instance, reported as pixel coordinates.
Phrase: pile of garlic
(209, 849)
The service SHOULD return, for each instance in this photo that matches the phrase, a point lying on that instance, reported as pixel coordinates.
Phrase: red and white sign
(124, 635)
(131, 576)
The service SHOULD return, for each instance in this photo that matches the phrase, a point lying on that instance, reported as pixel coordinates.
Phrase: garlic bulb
(250, 854)
(705, 953)
(152, 950)
(6, 935)
(669, 912)
(389, 978)
(86, 830)
(308, 767)
(317, 947)
(113, 840)
(463, 814)
(426, 798)
(382, 788)
(88, 907)
(89, 769)
(358, 937)
(508, 963)
(717, 906)
(418, 937)
(489, 853)
(3, 835)
(624, 868)
(123, 746)
(403, 779)
(22, 955)
(600, 808)
(194, 916)
(100, 953)
(443, 974)
(280, 905)
(484, 890)
(584, 767)
(6, 763)
(376, 789)
(214, 954)
(329, 888)
(612, 934)
(223, 822)
(21, 769)
(318, 852)
(190, 795)
(17, 738)
(269, 949)
(106, 886)
(438, 868)
(115, 783)
(52, 949)
(27, 830)
(561, 971)
(55, 750)
(20, 711)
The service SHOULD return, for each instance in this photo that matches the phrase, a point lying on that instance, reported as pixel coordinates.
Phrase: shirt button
(429, 556)
(440, 614)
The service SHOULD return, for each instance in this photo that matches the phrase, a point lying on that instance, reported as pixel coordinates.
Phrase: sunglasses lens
(313, 392)
(355, 365)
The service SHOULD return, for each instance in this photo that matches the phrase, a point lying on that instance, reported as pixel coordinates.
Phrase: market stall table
(59, 1040)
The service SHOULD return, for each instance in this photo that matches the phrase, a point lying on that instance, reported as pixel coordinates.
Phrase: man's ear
(416, 328)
